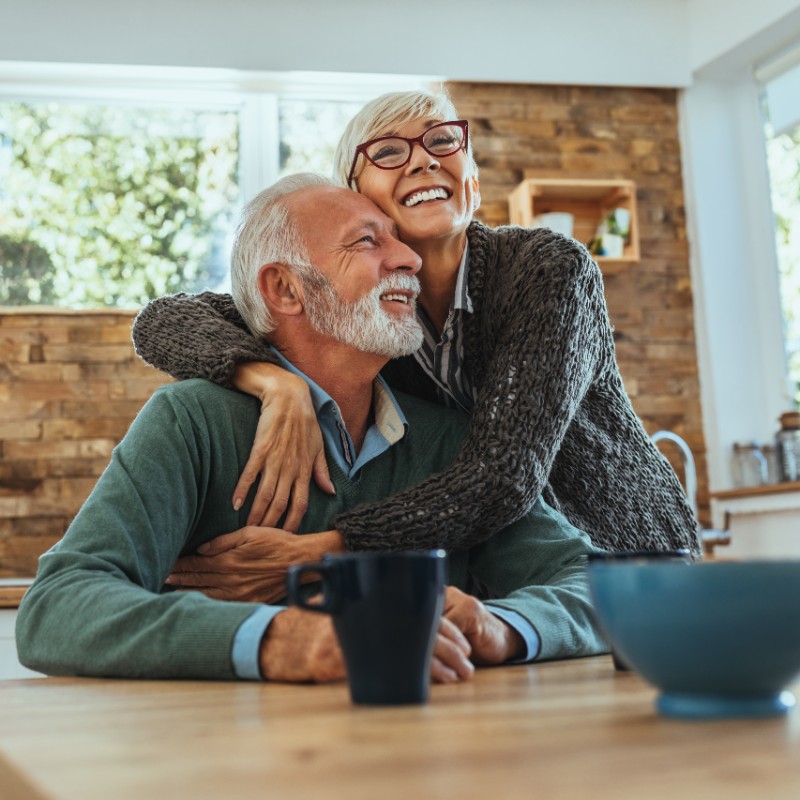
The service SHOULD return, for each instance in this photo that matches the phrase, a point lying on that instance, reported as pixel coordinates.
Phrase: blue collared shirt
(389, 427)
(390, 424)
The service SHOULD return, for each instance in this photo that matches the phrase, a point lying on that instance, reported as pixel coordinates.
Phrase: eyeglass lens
(440, 140)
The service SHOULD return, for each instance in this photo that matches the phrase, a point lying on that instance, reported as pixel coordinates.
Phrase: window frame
(254, 96)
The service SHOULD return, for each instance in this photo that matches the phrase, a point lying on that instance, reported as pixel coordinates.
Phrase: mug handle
(293, 586)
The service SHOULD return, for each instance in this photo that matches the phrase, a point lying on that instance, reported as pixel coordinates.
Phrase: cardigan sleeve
(550, 344)
(196, 336)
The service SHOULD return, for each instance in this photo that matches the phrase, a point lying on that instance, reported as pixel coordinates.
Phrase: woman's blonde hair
(383, 116)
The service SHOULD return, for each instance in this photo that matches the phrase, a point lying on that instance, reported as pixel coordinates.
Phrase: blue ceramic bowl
(718, 639)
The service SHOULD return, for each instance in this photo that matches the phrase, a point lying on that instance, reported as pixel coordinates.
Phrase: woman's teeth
(423, 197)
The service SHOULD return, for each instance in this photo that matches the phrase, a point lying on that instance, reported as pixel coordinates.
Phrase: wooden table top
(570, 729)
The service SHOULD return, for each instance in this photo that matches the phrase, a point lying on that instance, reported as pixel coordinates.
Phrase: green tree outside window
(783, 153)
(113, 205)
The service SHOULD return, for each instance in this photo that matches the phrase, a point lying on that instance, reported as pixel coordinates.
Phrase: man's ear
(280, 289)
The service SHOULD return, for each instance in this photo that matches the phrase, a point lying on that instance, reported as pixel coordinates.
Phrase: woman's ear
(279, 287)
(476, 193)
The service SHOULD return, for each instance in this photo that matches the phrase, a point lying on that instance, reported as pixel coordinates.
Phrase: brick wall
(70, 384)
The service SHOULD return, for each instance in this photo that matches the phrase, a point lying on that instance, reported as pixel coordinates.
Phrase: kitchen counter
(11, 592)
(763, 521)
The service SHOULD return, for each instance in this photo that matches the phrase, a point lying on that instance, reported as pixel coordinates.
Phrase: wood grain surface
(571, 729)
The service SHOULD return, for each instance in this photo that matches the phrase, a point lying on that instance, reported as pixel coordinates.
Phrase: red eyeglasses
(393, 152)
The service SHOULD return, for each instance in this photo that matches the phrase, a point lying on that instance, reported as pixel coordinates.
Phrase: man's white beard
(363, 324)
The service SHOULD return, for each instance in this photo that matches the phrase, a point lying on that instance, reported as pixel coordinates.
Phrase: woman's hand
(287, 450)
(250, 564)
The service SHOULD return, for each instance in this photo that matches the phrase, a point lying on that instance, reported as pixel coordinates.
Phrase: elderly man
(319, 271)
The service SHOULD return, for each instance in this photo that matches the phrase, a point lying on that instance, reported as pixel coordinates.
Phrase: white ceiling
(614, 42)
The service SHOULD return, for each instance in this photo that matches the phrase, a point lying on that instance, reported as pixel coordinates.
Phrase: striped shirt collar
(461, 299)
(441, 356)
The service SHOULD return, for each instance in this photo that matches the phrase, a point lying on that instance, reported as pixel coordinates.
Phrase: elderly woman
(516, 334)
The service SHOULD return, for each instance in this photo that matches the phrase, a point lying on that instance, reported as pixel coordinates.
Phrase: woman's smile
(419, 196)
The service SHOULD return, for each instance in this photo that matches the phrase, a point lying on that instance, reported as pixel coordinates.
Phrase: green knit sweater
(97, 607)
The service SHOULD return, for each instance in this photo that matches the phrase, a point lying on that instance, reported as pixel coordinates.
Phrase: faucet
(689, 469)
(709, 537)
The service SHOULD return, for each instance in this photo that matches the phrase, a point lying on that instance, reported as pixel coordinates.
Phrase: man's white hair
(382, 116)
(267, 234)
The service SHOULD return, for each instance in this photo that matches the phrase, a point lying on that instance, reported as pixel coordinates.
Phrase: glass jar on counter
(771, 455)
(787, 444)
(749, 465)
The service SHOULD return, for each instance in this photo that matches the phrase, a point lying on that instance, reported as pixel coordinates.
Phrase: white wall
(614, 42)
(737, 305)
(717, 27)
(738, 314)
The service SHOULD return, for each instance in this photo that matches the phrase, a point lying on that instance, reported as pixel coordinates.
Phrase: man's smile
(400, 298)
(397, 300)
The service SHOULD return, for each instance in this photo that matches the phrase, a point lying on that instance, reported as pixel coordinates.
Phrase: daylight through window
(782, 129)
(111, 199)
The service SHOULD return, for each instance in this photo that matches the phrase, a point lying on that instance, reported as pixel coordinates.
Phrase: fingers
(451, 668)
(214, 592)
(247, 479)
(220, 544)
(464, 611)
(451, 632)
(263, 499)
(288, 447)
(299, 503)
(451, 655)
(191, 579)
(189, 564)
(492, 640)
(452, 596)
(280, 501)
(322, 475)
(441, 673)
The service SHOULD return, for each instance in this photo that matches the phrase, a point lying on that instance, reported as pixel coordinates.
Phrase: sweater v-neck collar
(350, 487)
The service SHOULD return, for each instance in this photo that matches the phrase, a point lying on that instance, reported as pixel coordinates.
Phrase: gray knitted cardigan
(551, 415)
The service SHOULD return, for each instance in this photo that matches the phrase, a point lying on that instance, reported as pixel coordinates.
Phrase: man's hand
(251, 563)
(451, 662)
(301, 646)
(492, 641)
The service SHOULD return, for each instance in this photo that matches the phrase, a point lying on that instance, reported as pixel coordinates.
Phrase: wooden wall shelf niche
(589, 201)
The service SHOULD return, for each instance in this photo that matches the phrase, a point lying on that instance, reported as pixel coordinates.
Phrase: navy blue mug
(386, 608)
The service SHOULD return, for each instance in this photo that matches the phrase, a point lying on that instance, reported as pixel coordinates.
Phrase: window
(120, 185)
(781, 104)
(108, 205)
(309, 131)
